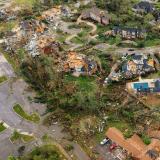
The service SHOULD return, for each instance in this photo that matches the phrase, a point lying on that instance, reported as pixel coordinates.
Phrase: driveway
(5, 67)
(104, 153)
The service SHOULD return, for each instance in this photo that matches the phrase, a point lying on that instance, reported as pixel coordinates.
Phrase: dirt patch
(152, 100)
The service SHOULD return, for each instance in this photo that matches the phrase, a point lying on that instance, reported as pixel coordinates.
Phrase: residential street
(120, 51)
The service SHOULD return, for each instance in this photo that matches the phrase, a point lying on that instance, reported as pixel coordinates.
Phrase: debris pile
(51, 14)
(80, 64)
(29, 27)
(42, 45)
(47, 45)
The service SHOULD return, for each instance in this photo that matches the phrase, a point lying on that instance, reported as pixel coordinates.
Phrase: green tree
(120, 6)
(11, 158)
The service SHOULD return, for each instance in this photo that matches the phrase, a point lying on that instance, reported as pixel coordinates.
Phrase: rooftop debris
(135, 146)
(42, 44)
(145, 86)
(32, 26)
(48, 45)
(51, 14)
(96, 15)
(3, 15)
(80, 64)
(132, 65)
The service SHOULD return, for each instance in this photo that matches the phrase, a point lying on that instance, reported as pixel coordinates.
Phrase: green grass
(27, 138)
(11, 60)
(122, 125)
(33, 117)
(2, 127)
(84, 26)
(8, 26)
(3, 79)
(77, 40)
(18, 136)
(84, 83)
(152, 42)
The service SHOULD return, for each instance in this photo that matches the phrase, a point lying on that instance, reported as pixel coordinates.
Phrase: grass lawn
(152, 42)
(77, 40)
(3, 79)
(122, 125)
(33, 117)
(18, 136)
(27, 138)
(83, 26)
(2, 127)
(11, 60)
(84, 83)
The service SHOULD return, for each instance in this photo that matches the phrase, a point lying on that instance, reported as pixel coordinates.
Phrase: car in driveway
(105, 141)
(131, 49)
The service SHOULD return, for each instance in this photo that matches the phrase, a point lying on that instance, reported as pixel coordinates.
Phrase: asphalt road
(5, 67)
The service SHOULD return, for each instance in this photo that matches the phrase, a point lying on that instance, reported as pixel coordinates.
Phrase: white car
(104, 141)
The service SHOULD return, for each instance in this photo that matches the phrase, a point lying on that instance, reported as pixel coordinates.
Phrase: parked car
(105, 141)
(131, 49)
(113, 146)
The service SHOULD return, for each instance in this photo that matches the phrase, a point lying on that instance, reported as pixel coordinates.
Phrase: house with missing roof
(79, 64)
(134, 146)
(129, 33)
(95, 14)
(144, 86)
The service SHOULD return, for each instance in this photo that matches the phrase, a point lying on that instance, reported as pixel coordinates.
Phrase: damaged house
(96, 15)
(42, 45)
(131, 66)
(26, 34)
(137, 64)
(51, 14)
(79, 64)
(127, 33)
(48, 46)
(32, 26)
